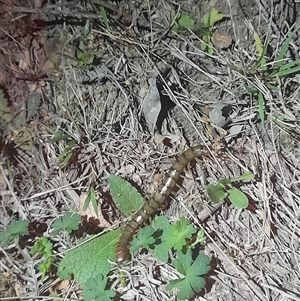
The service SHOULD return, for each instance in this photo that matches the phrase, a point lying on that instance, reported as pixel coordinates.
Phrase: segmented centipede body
(157, 201)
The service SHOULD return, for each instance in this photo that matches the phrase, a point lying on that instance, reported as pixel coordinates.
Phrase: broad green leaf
(193, 282)
(185, 21)
(13, 230)
(215, 16)
(160, 222)
(161, 250)
(216, 193)
(68, 222)
(238, 198)
(125, 196)
(91, 258)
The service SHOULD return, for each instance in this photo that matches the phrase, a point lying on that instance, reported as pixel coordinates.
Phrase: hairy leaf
(125, 196)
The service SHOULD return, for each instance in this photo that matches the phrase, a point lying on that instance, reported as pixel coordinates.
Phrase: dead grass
(255, 254)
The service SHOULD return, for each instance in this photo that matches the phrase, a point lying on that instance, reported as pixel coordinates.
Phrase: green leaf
(13, 230)
(192, 282)
(261, 106)
(177, 234)
(261, 51)
(161, 250)
(216, 193)
(183, 22)
(210, 18)
(246, 176)
(104, 16)
(91, 258)
(68, 222)
(94, 289)
(238, 198)
(42, 246)
(58, 136)
(284, 72)
(143, 240)
(91, 198)
(45, 266)
(125, 196)
(286, 43)
(160, 222)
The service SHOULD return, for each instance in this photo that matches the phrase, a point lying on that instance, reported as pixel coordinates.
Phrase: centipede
(157, 201)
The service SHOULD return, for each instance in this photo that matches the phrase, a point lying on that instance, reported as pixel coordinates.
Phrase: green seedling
(270, 70)
(206, 29)
(44, 247)
(65, 156)
(84, 58)
(182, 22)
(224, 189)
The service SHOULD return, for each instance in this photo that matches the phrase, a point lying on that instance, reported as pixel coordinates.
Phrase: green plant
(224, 189)
(269, 71)
(91, 198)
(182, 22)
(84, 58)
(95, 289)
(44, 247)
(125, 196)
(90, 258)
(192, 270)
(13, 231)
(206, 29)
(68, 222)
(66, 155)
(160, 237)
